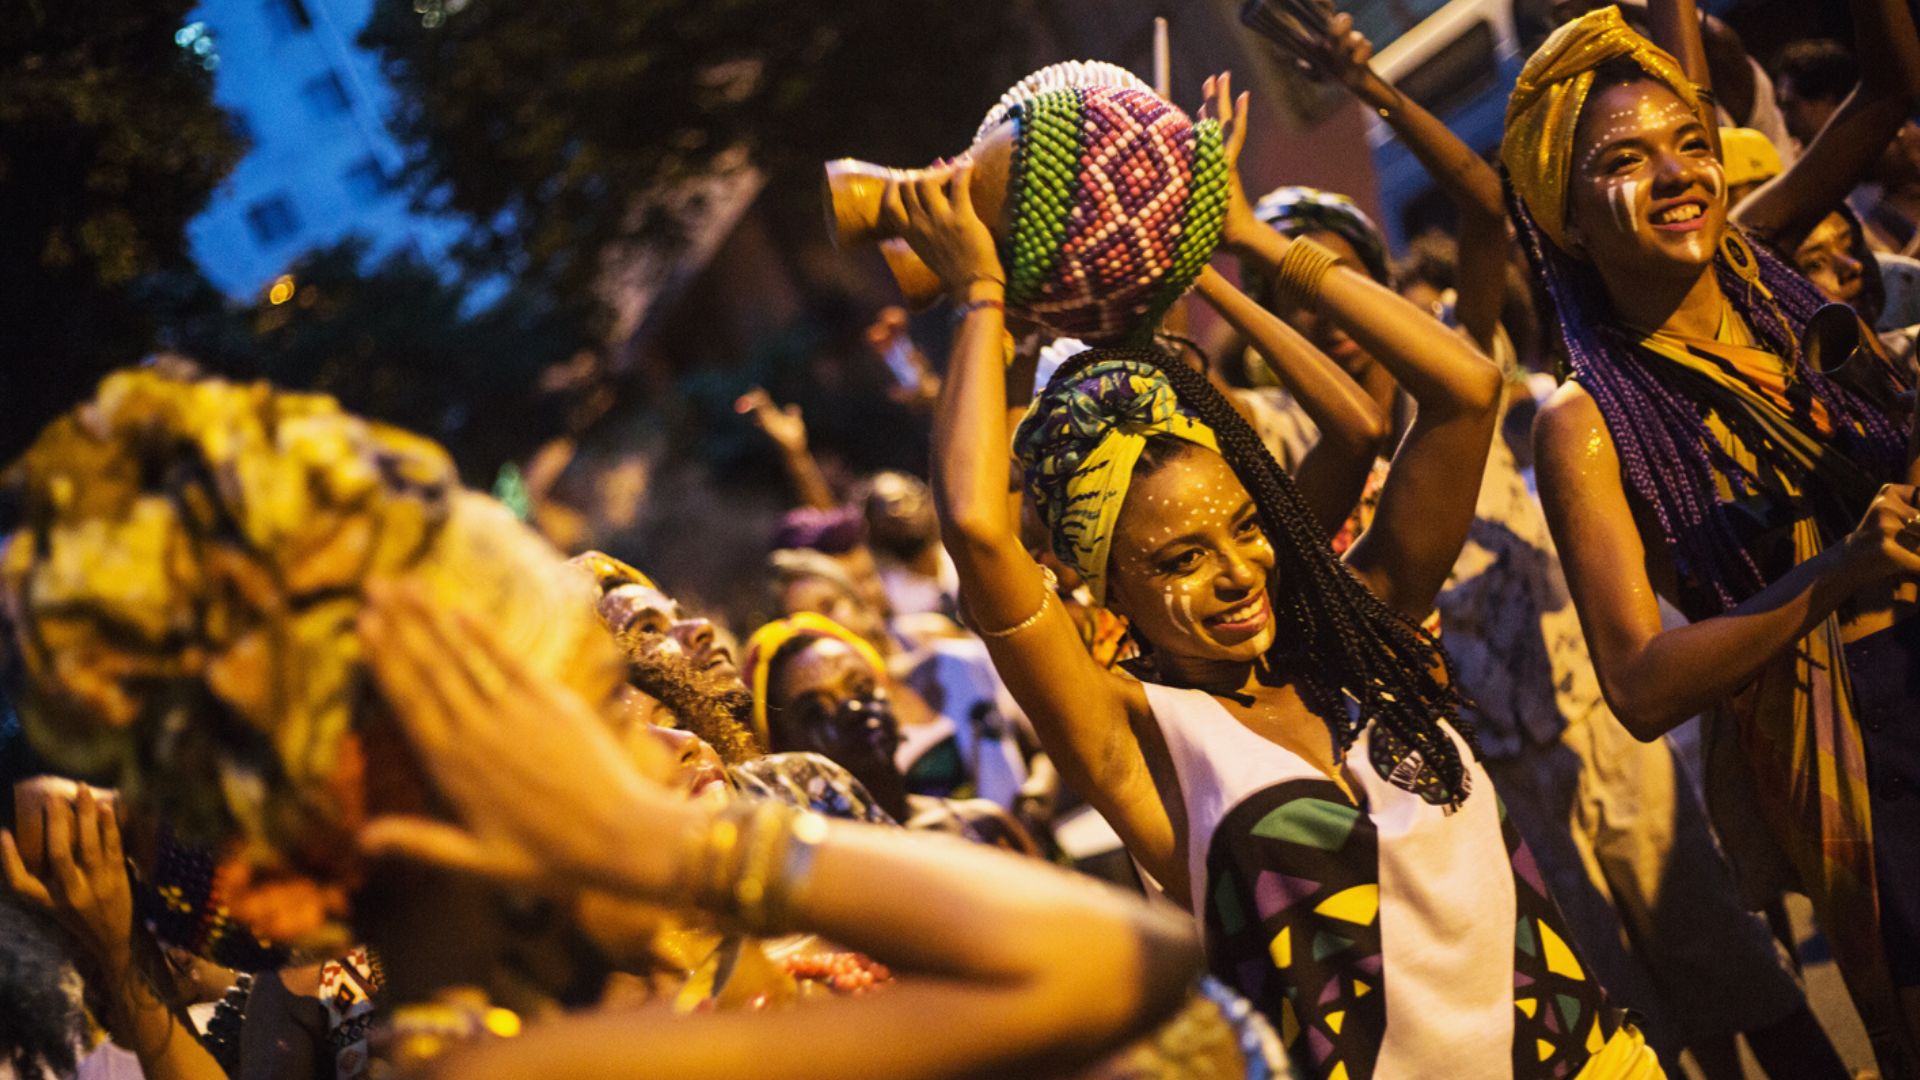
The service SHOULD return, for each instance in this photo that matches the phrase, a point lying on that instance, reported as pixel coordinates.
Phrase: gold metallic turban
(1546, 103)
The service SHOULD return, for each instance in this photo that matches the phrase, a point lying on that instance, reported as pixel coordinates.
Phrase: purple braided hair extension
(1668, 456)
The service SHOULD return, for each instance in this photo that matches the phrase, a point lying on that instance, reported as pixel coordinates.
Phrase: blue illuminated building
(321, 166)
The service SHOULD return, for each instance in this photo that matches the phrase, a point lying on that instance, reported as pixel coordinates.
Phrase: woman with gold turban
(1287, 756)
(1725, 445)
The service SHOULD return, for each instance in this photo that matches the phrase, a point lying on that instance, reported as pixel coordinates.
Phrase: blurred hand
(1219, 104)
(784, 425)
(545, 793)
(1351, 54)
(68, 862)
(935, 216)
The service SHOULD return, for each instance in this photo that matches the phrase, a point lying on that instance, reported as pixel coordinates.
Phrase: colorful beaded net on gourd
(1116, 201)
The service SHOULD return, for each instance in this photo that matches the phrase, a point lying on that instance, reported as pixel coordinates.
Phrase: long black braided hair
(1353, 658)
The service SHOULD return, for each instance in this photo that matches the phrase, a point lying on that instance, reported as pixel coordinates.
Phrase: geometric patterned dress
(1393, 938)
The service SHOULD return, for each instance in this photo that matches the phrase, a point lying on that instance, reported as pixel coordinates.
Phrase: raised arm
(1427, 503)
(787, 430)
(1469, 182)
(1656, 679)
(1790, 205)
(1009, 966)
(1082, 713)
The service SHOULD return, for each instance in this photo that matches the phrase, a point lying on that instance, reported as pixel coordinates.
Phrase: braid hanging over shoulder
(1354, 659)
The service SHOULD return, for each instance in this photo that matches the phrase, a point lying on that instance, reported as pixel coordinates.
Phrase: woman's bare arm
(1470, 183)
(1791, 204)
(1013, 964)
(1656, 679)
(1427, 503)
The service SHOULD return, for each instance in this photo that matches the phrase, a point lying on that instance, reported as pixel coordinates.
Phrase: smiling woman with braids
(1705, 451)
(1289, 762)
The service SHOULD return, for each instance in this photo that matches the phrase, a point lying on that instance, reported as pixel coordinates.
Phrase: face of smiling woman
(1189, 564)
(1648, 196)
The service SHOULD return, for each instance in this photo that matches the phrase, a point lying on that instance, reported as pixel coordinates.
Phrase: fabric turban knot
(1544, 110)
(767, 641)
(1078, 446)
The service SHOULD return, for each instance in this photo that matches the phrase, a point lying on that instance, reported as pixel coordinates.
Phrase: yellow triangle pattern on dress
(1360, 988)
(1339, 1071)
(1560, 959)
(1527, 1005)
(1595, 1040)
(1543, 1048)
(1356, 905)
(1289, 1024)
(1335, 1019)
(1281, 948)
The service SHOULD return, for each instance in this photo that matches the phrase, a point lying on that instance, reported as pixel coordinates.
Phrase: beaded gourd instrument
(1113, 199)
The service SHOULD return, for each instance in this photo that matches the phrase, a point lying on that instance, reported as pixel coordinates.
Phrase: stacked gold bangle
(1302, 271)
(752, 863)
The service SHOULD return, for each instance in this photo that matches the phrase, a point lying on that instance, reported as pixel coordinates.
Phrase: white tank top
(1393, 939)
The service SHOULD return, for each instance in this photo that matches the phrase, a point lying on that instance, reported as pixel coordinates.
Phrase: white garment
(1446, 899)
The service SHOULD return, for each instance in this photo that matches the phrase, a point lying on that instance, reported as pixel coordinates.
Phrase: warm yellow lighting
(503, 1022)
(282, 290)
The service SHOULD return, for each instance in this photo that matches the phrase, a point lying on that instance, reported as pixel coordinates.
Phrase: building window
(272, 220)
(367, 180)
(324, 95)
(288, 16)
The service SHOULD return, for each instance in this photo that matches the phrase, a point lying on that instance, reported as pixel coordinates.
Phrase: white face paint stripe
(1624, 197)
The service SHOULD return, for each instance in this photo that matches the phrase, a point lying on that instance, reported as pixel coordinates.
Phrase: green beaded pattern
(1044, 187)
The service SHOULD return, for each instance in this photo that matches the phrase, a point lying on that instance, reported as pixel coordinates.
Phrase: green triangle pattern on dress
(1226, 905)
(1569, 1010)
(1325, 944)
(1524, 938)
(1314, 823)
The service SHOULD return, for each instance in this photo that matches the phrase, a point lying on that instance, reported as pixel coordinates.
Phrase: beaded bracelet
(960, 313)
(1051, 582)
(1302, 270)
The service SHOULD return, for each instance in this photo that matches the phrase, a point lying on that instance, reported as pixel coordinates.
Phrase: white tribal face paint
(1624, 200)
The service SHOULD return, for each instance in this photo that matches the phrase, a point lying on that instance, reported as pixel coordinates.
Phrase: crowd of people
(1445, 669)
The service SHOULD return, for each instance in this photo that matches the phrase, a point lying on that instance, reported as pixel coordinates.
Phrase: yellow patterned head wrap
(1079, 444)
(1546, 103)
(767, 640)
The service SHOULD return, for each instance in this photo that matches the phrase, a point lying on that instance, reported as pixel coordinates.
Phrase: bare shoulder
(1570, 433)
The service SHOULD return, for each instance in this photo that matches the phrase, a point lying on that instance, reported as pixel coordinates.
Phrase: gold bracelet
(707, 863)
(1049, 582)
(1302, 271)
(767, 828)
(787, 889)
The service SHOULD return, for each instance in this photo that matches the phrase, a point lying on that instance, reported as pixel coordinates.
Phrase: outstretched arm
(1655, 678)
(1428, 500)
(787, 430)
(1469, 182)
(1790, 205)
(1009, 965)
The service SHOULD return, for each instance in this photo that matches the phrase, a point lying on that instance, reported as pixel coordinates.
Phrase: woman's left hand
(545, 794)
(935, 216)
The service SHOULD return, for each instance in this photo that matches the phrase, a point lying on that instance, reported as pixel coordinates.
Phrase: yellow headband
(1545, 107)
(610, 573)
(1079, 444)
(766, 642)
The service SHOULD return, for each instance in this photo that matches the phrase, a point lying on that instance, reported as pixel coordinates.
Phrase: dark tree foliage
(556, 126)
(392, 341)
(109, 143)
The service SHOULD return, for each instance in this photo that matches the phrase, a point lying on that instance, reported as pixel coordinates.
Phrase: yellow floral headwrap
(766, 642)
(1546, 103)
(1079, 444)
